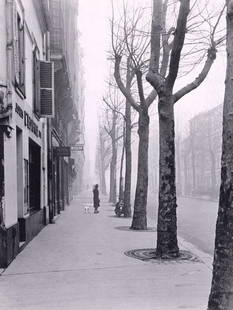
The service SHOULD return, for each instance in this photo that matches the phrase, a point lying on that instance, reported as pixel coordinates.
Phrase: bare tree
(113, 125)
(116, 106)
(128, 44)
(221, 294)
(167, 245)
(103, 156)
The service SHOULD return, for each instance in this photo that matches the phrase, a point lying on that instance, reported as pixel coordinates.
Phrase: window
(19, 53)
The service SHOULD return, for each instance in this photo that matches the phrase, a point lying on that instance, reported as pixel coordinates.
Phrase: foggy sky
(95, 40)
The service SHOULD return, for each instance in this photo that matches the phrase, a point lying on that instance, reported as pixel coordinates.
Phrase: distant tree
(103, 156)
(113, 127)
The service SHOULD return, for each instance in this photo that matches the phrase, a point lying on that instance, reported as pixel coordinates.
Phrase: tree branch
(153, 76)
(200, 78)
(156, 28)
(113, 108)
(151, 97)
(140, 87)
(120, 84)
(178, 43)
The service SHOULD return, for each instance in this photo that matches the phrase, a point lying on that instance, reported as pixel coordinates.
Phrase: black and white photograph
(116, 154)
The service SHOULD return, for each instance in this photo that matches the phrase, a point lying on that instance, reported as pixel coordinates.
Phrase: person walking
(96, 199)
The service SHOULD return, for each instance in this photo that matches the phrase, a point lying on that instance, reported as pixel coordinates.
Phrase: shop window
(19, 53)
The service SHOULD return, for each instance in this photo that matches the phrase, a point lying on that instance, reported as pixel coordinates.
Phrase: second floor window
(19, 53)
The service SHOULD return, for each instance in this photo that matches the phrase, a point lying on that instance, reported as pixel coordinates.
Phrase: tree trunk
(221, 295)
(121, 188)
(167, 245)
(103, 181)
(140, 202)
(102, 168)
(112, 192)
(128, 161)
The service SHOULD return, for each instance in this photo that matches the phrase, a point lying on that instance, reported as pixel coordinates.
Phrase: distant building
(200, 154)
(66, 128)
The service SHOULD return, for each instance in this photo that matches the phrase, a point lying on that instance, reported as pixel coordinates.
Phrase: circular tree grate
(127, 228)
(150, 255)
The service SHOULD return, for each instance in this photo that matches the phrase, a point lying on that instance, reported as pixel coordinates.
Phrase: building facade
(23, 134)
(39, 119)
(200, 154)
(66, 128)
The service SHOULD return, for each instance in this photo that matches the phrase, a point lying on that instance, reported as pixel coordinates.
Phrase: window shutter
(36, 83)
(21, 58)
(15, 44)
(46, 89)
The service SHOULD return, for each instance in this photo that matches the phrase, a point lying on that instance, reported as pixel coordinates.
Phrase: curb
(206, 258)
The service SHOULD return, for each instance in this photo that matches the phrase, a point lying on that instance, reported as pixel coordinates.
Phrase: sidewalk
(79, 264)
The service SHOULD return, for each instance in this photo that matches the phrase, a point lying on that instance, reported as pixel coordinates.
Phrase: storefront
(23, 204)
(1, 176)
(59, 168)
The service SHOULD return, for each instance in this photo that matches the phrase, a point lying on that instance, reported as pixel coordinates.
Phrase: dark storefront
(1, 176)
(31, 225)
(34, 176)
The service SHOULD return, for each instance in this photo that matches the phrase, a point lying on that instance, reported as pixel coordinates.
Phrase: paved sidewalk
(79, 264)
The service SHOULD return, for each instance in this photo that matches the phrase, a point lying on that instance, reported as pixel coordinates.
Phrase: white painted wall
(2, 42)
(33, 34)
(10, 164)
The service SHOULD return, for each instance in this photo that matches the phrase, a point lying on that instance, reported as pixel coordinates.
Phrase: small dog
(87, 208)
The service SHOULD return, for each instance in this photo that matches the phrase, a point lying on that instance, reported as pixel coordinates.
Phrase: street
(196, 221)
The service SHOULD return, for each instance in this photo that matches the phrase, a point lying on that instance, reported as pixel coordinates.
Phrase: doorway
(34, 176)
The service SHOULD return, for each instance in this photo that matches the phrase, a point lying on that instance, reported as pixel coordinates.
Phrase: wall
(2, 42)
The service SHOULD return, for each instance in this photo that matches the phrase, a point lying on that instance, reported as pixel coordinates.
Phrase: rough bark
(128, 161)
(221, 295)
(121, 188)
(167, 245)
(139, 216)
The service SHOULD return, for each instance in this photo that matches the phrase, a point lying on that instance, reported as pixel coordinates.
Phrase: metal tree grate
(150, 255)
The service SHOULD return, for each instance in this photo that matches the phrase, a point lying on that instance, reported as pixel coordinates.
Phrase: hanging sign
(62, 151)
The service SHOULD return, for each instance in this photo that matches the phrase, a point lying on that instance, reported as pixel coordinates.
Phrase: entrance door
(34, 176)
(1, 176)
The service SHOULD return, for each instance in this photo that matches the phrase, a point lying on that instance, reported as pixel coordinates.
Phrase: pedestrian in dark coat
(96, 199)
